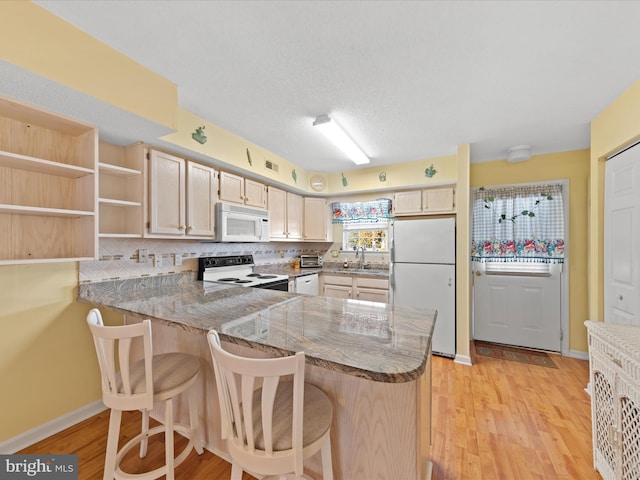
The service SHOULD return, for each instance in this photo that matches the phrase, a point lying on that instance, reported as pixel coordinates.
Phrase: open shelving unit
(48, 186)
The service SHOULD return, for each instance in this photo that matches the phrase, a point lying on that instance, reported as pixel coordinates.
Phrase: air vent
(269, 165)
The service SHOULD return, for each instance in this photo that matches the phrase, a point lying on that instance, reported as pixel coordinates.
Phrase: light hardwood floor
(496, 420)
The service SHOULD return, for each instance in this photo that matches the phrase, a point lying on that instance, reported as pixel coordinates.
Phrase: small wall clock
(317, 183)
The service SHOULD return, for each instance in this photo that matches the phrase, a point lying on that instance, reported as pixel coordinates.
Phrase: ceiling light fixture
(340, 139)
(519, 153)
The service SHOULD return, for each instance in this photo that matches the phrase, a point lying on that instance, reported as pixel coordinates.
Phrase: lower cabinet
(614, 355)
(356, 287)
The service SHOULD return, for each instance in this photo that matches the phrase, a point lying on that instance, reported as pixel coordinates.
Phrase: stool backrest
(129, 387)
(250, 437)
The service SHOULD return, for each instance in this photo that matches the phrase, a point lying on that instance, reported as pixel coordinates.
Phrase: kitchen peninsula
(372, 359)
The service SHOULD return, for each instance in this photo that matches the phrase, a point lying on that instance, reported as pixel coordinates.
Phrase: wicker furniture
(614, 354)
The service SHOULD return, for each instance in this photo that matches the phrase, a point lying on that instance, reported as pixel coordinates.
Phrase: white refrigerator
(422, 273)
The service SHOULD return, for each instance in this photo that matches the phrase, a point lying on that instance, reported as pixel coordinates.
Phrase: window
(371, 236)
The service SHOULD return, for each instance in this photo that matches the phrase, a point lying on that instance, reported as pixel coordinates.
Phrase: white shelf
(44, 212)
(119, 203)
(32, 164)
(117, 170)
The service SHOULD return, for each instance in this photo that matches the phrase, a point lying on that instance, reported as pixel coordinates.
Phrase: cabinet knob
(619, 297)
(181, 227)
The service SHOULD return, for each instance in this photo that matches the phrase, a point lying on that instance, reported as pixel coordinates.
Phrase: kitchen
(49, 289)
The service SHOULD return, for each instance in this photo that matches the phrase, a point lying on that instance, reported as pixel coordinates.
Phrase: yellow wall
(463, 247)
(616, 127)
(48, 364)
(573, 166)
(80, 61)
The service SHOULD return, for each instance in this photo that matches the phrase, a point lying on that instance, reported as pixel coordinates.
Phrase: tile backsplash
(119, 257)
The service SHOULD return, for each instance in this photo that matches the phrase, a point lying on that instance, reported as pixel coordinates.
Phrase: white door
(621, 237)
(517, 309)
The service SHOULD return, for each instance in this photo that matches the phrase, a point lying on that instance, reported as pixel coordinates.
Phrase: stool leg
(112, 444)
(168, 436)
(195, 423)
(145, 429)
(236, 471)
(327, 464)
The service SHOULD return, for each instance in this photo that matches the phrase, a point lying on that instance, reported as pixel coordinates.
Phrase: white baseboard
(52, 427)
(578, 354)
(462, 359)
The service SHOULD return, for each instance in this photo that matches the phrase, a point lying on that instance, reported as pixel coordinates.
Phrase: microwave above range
(235, 223)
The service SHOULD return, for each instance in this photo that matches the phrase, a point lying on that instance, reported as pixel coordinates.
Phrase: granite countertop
(376, 341)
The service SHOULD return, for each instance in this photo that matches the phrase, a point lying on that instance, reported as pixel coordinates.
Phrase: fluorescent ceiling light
(340, 139)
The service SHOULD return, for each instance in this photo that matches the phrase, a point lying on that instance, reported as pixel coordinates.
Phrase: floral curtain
(518, 224)
(361, 212)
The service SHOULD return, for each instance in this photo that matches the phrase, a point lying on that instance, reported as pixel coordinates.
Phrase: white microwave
(235, 223)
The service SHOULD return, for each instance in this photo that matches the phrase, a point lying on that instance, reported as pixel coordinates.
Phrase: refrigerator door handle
(392, 283)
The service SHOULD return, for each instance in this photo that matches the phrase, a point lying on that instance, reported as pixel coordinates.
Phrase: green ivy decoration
(488, 202)
(344, 180)
(294, 175)
(249, 158)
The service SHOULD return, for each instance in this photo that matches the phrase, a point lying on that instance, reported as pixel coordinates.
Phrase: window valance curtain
(361, 212)
(518, 224)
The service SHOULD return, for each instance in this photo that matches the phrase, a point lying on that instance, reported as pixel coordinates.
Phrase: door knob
(478, 274)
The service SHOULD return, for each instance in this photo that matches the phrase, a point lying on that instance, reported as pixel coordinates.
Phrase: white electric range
(238, 270)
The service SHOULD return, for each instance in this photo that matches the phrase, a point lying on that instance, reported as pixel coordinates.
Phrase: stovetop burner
(238, 270)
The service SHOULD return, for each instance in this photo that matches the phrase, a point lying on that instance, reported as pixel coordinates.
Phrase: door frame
(564, 280)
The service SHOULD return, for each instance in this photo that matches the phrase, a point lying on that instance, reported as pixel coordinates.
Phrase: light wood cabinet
(244, 191)
(371, 289)
(433, 200)
(48, 186)
(614, 357)
(182, 197)
(285, 214)
(121, 190)
(316, 220)
(355, 287)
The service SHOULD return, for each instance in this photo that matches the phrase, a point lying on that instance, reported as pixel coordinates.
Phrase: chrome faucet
(363, 250)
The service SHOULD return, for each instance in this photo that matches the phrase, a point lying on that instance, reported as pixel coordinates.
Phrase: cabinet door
(294, 216)
(166, 194)
(316, 217)
(202, 194)
(337, 291)
(231, 188)
(437, 200)
(372, 295)
(277, 213)
(255, 194)
(407, 203)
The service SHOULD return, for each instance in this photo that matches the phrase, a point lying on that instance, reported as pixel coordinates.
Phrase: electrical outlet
(143, 255)
(177, 259)
(157, 260)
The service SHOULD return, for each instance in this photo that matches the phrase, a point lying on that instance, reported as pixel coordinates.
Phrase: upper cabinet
(182, 197)
(316, 220)
(121, 190)
(237, 189)
(285, 214)
(427, 201)
(48, 186)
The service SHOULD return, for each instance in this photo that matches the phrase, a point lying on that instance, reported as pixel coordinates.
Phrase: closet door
(622, 238)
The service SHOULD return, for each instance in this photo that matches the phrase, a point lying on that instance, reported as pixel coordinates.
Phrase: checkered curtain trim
(518, 224)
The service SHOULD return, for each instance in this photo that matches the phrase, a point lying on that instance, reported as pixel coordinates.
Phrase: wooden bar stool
(270, 425)
(136, 386)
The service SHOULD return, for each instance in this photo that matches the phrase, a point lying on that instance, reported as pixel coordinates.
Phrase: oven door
(282, 285)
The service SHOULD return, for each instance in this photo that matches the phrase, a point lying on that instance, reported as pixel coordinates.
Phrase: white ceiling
(407, 80)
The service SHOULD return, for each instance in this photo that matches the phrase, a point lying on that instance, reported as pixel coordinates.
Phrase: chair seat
(317, 416)
(170, 371)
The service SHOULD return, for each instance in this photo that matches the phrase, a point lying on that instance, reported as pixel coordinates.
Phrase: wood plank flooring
(496, 420)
